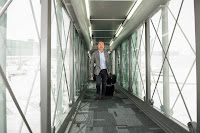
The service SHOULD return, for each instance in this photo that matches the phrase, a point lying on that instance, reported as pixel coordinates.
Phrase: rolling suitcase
(110, 86)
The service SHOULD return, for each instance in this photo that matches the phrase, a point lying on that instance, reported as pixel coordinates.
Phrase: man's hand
(91, 74)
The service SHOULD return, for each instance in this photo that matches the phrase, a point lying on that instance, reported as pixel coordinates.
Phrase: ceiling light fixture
(136, 5)
(87, 9)
(92, 43)
(111, 42)
(90, 29)
(121, 27)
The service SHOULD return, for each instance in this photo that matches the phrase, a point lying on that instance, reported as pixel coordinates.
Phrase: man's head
(101, 46)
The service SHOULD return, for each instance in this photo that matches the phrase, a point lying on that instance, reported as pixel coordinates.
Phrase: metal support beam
(147, 61)
(110, 60)
(45, 69)
(59, 56)
(71, 64)
(79, 65)
(130, 66)
(165, 42)
(197, 34)
(113, 62)
(3, 27)
(83, 73)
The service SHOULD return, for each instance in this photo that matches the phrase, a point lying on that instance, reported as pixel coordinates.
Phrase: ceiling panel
(105, 40)
(103, 33)
(109, 9)
(105, 43)
(105, 25)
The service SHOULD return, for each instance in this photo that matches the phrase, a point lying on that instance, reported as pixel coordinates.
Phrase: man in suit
(101, 58)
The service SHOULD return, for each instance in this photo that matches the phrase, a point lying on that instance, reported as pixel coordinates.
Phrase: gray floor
(116, 114)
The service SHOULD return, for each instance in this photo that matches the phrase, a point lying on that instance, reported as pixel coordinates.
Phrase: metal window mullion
(165, 43)
(45, 67)
(147, 61)
(114, 60)
(71, 63)
(79, 64)
(83, 74)
(197, 40)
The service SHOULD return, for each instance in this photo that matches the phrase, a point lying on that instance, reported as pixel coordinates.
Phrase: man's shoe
(103, 97)
(97, 97)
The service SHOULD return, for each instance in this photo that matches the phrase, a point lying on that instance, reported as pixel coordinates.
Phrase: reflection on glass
(138, 63)
(118, 65)
(125, 64)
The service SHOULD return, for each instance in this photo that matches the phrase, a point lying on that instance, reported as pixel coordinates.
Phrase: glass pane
(20, 59)
(182, 59)
(138, 63)
(10, 116)
(176, 81)
(60, 74)
(156, 59)
(125, 64)
(118, 65)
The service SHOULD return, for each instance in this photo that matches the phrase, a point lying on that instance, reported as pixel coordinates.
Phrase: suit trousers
(102, 76)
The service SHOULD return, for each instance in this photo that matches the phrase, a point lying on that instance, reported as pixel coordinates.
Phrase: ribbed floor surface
(115, 114)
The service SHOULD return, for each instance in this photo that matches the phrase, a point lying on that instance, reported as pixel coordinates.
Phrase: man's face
(101, 46)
